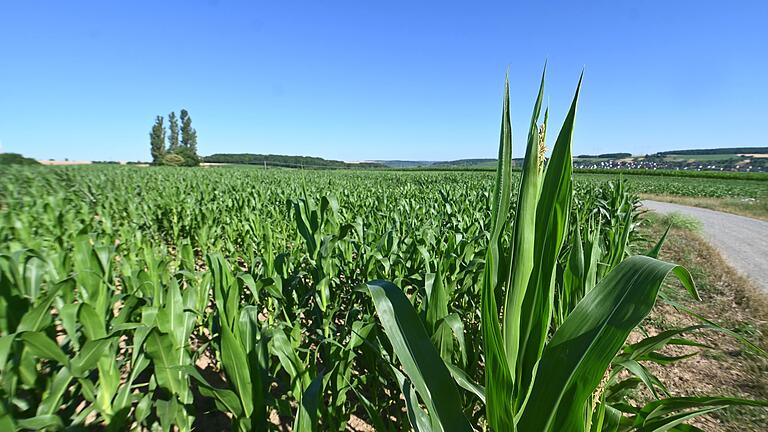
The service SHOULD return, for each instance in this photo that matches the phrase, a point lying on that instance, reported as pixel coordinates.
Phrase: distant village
(757, 162)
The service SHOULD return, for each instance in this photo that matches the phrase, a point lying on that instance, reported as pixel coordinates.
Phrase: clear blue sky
(360, 80)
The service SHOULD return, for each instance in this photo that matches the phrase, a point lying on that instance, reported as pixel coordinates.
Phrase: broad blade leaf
(419, 358)
(576, 358)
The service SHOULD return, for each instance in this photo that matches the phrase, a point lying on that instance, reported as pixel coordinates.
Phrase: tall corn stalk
(538, 376)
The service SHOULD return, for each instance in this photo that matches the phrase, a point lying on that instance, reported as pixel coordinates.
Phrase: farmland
(171, 298)
(696, 186)
(738, 193)
(130, 261)
(132, 257)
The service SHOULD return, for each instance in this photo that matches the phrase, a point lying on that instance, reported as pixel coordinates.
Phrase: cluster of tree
(16, 159)
(465, 163)
(717, 151)
(285, 161)
(182, 141)
(605, 156)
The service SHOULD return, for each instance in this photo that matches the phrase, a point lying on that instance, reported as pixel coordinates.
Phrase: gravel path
(742, 241)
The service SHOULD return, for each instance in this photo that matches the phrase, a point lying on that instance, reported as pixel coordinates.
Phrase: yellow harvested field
(58, 162)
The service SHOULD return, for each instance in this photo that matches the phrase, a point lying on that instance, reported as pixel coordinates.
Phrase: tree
(193, 142)
(173, 132)
(16, 159)
(179, 152)
(157, 141)
(190, 157)
(188, 134)
(173, 159)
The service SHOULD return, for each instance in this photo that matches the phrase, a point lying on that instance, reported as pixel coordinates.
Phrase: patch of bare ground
(728, 368)
(754, 208)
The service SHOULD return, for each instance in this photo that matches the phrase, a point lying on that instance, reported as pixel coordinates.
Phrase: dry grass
(61, 163)
(730, 300)
(757, 209)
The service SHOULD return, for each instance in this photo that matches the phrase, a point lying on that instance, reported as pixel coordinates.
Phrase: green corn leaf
(592, 258)
(420, 421)
(664, 360)
(34, 269)
(225, 288)
(551, 225)
(307, 416)
(660, 408)
(615, 392)
(6, 421)
(465, 382)
(171, 318)
(453, 320)
(374, 415)
(670, 423)
(650, 380)
(608, 420)
(437, 304)
(499, 385)
(160, 347)
(40, 422)
(658, 341)
(42, 346)
(39, 316)
(123, 397)
(419, 358)
(227, 398)
(68, 316)
(52, 399)
(89, 355)
(501, 193)
(236, 366)
(714, 326)
(654, 252)
(523, 235)
(5, 348)
(248, 326)
(576, 358)
(288, 358)
(93, 324)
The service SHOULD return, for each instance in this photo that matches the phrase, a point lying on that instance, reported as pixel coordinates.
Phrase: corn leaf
(42, 346)
(419, 358)
(498, 377)
(576, 358)
(523, 235)
(236, 366)
(551, 225)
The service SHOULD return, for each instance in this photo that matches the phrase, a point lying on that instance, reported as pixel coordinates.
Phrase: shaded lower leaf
(419, 358)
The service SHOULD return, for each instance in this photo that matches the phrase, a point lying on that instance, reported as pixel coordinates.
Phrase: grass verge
(729, 299)
(755, 208)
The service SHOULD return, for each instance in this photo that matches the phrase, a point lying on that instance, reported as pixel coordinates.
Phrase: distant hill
(722, 159)
(466, 163)
(285, 161)
(606, 156)
(717, 151)
(485, 163)
(403, 163)
(16, 159)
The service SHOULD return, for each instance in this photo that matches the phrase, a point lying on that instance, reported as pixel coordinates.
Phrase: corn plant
(234, 299)
(540, 376)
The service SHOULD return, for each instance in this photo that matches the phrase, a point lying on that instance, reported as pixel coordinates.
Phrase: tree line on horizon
(285, 161)
(182, 141)
(16, 159)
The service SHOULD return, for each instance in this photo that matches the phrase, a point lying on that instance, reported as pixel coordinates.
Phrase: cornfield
(252, 300)
(705, 186)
